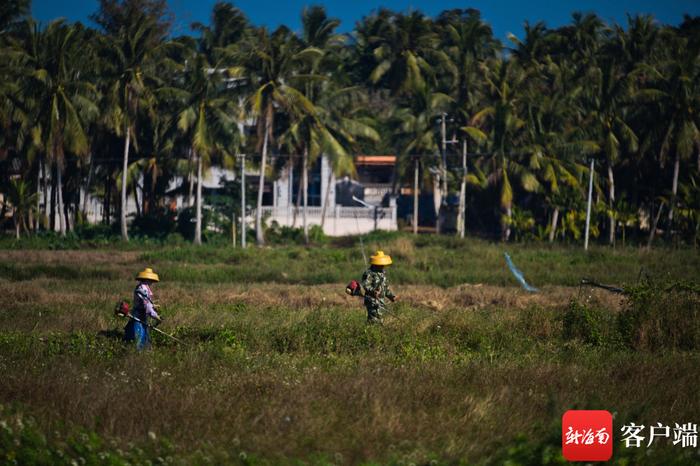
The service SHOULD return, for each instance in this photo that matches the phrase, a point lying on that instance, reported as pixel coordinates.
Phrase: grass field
(278, 365)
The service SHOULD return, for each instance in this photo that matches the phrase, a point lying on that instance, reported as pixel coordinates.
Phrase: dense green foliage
(120, 111)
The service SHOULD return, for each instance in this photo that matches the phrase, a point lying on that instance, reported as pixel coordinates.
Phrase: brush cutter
(355, 289)
(611, 288)
(122, 310)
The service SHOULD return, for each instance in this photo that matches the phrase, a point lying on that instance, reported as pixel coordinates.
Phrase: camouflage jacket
(376, 287)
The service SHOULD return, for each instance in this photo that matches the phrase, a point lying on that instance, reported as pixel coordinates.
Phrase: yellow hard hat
(147, 274)
(380, 259)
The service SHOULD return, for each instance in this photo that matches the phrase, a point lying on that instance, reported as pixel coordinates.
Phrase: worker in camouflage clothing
(376, 287)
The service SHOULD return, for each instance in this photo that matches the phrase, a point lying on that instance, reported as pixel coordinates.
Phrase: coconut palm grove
(406, 241)
(118, 111)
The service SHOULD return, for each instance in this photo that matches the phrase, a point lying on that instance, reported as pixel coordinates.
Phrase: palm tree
(11, 11)
(407, 58)
(208, 117)
(606, 95)
(134, 42)
(674, 89)
(555, 146)
(414, 129)
(57, 96)
(599, 63)
(318, 34)
(342, 115)
(206, 120)
(499, 126)
(468, 41)
(407, 53)
(270, 62)
(330, 127)
(228, 27)
(23, 204)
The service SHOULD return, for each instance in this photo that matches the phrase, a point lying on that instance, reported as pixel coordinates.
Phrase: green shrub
(589, 324)
(662, 317)
(156, 224)
(186, 223)
(277, 234)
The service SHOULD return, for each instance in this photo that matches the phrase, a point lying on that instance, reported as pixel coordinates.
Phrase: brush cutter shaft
(611, 288)
(153, 327)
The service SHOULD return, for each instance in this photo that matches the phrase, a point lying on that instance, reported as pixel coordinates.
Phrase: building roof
(375, 160)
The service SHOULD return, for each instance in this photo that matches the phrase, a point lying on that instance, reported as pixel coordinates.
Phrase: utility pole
(415, 195)
(370, 206)
(588, 208)
(243, 245)
(444, 156)
(443, 171)
(462, 217)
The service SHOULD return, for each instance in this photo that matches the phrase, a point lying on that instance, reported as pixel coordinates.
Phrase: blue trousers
(137, 331)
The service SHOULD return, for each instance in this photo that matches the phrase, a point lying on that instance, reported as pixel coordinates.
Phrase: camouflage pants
(374, 312)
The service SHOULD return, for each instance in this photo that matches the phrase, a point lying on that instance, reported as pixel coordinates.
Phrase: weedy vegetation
(279, 367)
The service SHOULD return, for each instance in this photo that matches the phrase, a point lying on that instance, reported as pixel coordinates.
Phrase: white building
(330, 204)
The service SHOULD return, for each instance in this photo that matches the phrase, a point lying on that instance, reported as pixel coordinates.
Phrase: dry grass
(285, 372)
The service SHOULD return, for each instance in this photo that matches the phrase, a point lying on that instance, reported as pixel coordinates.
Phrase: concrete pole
(443, 172)
(463, 193)
(588, 208)
(243, 242)
(415, 196)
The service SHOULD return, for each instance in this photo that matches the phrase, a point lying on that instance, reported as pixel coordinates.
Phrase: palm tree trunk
(305, 189)
(38, 197)
(326, 196)
(190, 179)
(147, 201)
(462, 216)
(59, 197)
(125, 166)
(3, 209)
(46, 190)
(198, 224)
(437, 200)
(611, 202)
(259, 236)
(555, 220)
(136, 199)
(652, 232)
(506, 221)
(15, 217)
(297, 205)
(24, 222)
(52, 210)
(87, 186)
(674, 191)
(233, 227)
(106, 205)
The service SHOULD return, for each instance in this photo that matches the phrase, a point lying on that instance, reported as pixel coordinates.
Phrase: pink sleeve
(150, 310)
